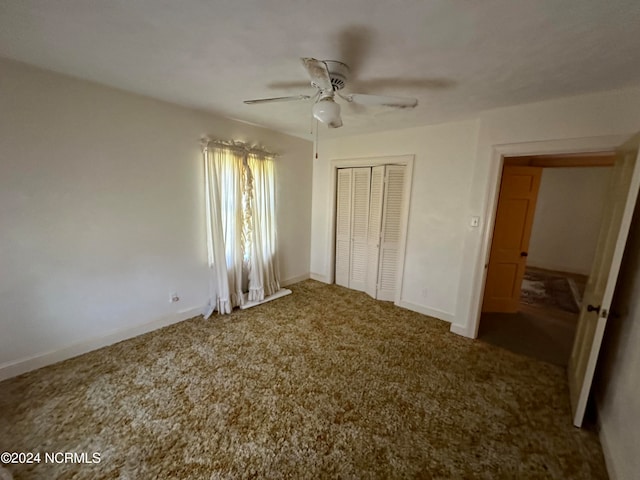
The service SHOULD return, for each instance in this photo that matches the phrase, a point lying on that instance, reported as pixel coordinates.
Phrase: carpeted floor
(324, 383)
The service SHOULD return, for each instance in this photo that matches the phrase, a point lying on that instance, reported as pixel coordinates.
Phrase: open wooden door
(618, 211)
(511, 233)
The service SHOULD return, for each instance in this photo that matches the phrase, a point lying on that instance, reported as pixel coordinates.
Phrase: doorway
(548, 217)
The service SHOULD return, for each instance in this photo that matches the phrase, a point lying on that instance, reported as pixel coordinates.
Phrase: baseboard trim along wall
(319, 277)
(18, 367)
(461, 330)
(430, 312)
(292, 280)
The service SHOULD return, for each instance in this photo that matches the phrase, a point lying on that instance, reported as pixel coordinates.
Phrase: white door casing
(466, 322)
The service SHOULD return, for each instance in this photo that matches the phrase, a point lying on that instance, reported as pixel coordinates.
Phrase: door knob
(591, 308)
(524, 254)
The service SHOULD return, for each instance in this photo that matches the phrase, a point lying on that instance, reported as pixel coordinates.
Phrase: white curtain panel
(264, 277)
(241, 227)
(224, 227)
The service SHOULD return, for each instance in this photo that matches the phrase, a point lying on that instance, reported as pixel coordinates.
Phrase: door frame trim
(407, 161)
(499, 152)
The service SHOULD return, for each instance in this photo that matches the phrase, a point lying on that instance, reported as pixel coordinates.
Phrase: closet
(368, 228)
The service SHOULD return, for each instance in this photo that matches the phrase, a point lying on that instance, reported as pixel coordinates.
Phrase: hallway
(544, 326)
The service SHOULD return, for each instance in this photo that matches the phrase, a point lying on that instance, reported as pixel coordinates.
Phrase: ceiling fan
(329, 77)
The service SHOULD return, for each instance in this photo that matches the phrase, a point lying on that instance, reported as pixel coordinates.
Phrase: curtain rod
(236, 145)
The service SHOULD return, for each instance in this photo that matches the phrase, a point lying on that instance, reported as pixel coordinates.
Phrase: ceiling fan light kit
(326, 110)
(329, 77)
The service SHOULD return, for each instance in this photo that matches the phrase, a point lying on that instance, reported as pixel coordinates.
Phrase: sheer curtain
(264, 277)
(223, 168)
(241, 233)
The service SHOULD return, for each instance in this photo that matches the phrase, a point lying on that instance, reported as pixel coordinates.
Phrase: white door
(343, 226)
(618, 211)
(391, 232)
(375, 228)
(360, 186)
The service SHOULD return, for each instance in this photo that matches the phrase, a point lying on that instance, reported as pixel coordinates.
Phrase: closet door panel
(343, 226)
(391, 232)
(374, 229)
(361, 187)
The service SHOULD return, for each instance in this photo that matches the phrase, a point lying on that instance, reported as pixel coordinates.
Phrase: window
(241, 235)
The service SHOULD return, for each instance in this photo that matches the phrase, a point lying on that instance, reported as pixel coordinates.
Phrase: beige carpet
(324, 383)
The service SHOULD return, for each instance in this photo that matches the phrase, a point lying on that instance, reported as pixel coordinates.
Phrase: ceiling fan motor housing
(338, 73)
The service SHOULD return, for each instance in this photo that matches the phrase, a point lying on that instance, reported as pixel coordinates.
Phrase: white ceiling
(456, 56)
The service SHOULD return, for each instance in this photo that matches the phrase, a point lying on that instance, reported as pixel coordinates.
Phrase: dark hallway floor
(540, 329)
(531, 334)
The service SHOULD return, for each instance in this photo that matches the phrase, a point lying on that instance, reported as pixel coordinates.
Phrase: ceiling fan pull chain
(316, 140)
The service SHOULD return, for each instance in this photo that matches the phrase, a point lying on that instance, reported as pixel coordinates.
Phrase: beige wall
(567, 219)
(617, 382)
(102, 212)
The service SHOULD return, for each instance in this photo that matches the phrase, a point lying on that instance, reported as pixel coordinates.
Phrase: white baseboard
(461, 330)
(18, 367)
(292, 280)
(319, 277)
(431, 312)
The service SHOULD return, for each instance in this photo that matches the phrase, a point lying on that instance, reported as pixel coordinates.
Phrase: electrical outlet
(475, 221)
(173, 298)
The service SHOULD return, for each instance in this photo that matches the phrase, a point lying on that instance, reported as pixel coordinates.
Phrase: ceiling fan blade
(355, 43)
(433, 83)
(318, 73)
(380, 100)
(293, 85)
(277, 99)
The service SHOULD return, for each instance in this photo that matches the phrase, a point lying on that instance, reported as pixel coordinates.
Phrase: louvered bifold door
(343, 226)
(391, 232)
(361, 186)
(374, 229)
